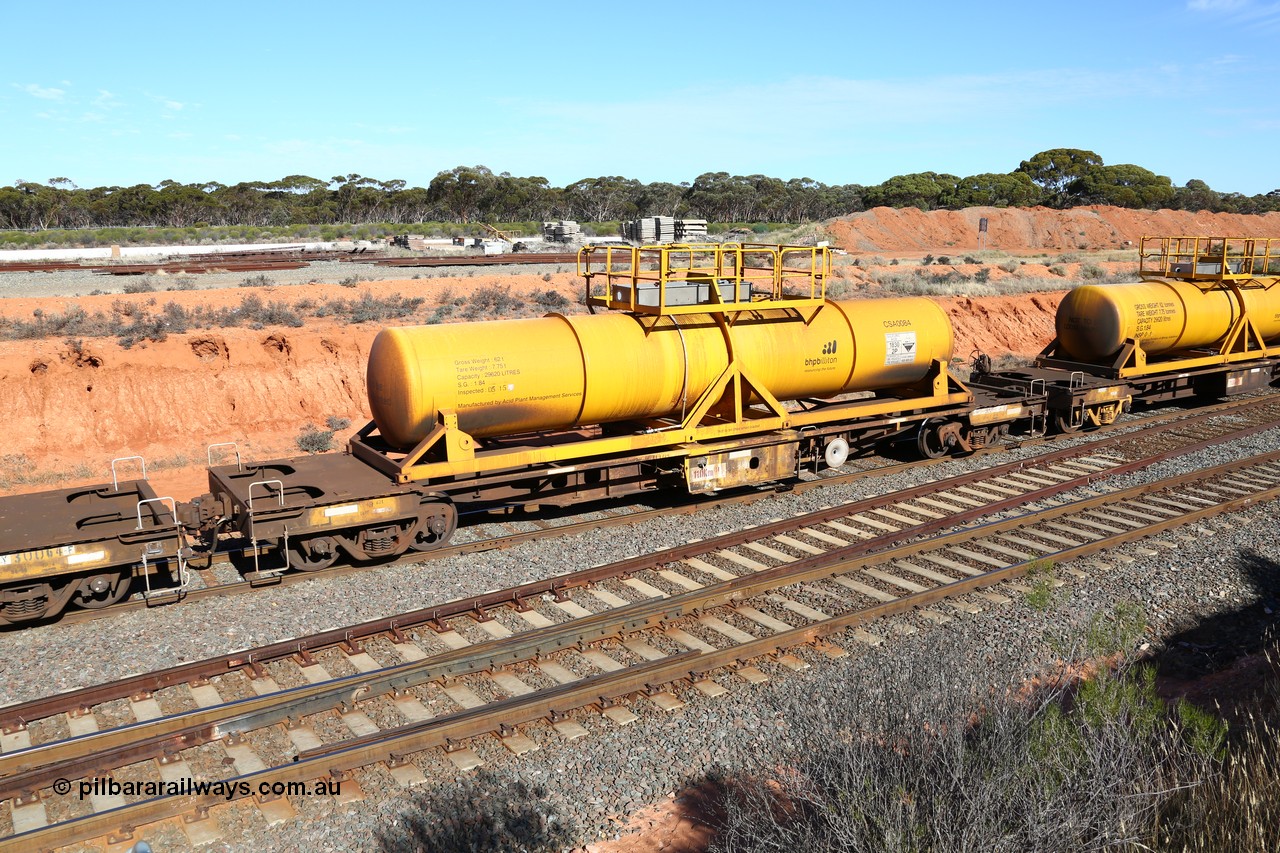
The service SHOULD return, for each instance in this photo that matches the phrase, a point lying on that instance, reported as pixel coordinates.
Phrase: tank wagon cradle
(699, 367)
(1203, 322)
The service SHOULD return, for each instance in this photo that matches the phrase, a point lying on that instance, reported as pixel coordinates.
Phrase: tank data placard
(899, 348)
(1152, 314)
(484, 375)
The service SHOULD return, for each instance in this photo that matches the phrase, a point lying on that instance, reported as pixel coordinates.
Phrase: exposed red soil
(1035, 229)
(1002, 325)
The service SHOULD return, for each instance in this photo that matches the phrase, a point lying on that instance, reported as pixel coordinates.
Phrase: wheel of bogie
(1062, 423)
(436, 523)
(102, 590)
(312, 555)
(929, 440)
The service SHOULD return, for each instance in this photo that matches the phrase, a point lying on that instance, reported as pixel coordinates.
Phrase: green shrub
(140, 285)
(314, 440)
(1040, 574)
(275, 313)
(490, 299)
(487, 812)
(143, 328)
(551, 299)
(369, 308)
(944, 750)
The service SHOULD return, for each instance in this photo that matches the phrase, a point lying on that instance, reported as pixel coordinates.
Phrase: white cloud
(1215, 5)
(167, 102)
(44, 93)
(1264, 16)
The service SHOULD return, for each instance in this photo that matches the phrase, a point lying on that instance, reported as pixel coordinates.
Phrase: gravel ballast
(618, 770)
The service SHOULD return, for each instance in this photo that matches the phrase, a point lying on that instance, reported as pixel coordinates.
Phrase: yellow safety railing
(705, 278)
(1210, 259)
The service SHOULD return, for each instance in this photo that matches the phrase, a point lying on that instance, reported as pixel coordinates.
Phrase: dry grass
(956, 283)
(942, 752)
(16, 469)
(916, 281)
(132, 323)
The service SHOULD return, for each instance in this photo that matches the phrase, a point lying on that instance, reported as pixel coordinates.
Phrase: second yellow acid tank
(557, 372)
(1094, 321)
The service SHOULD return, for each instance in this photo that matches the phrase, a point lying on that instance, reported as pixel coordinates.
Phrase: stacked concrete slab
(664, 229)
(691, 230)
(639, 230)
(563, 231)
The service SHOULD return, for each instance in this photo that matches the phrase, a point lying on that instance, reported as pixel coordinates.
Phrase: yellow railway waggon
(697, 368)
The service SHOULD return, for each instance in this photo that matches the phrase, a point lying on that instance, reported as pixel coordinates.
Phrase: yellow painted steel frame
(109, 554)
(769, 276)
(1210, 263)
(1211, 259)
(718, 415)
(1243, 342)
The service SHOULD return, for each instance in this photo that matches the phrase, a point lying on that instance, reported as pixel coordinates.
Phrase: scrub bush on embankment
(133, 323)
(942, 752)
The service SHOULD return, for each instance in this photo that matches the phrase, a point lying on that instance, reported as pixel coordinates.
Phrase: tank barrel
(559, 372)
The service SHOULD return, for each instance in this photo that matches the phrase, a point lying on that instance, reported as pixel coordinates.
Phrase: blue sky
(853, 92)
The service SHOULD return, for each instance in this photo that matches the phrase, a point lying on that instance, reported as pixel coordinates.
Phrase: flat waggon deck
(306, 480)
(83, 514)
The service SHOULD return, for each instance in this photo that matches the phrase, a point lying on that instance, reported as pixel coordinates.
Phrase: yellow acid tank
(558, 372)
(1094, 321)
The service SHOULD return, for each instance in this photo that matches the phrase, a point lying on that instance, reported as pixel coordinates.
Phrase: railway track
(475, 260)
(510, 531)
(701, 614)
(282, 260)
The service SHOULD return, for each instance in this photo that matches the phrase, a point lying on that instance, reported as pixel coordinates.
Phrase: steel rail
(1163, 422)
(19, 774)
(17, 715)
(394, 744)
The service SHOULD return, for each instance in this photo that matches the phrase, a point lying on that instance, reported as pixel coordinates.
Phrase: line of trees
(1061, 178)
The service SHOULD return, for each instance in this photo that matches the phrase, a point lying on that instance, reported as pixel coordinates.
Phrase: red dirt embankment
(1029, 230)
